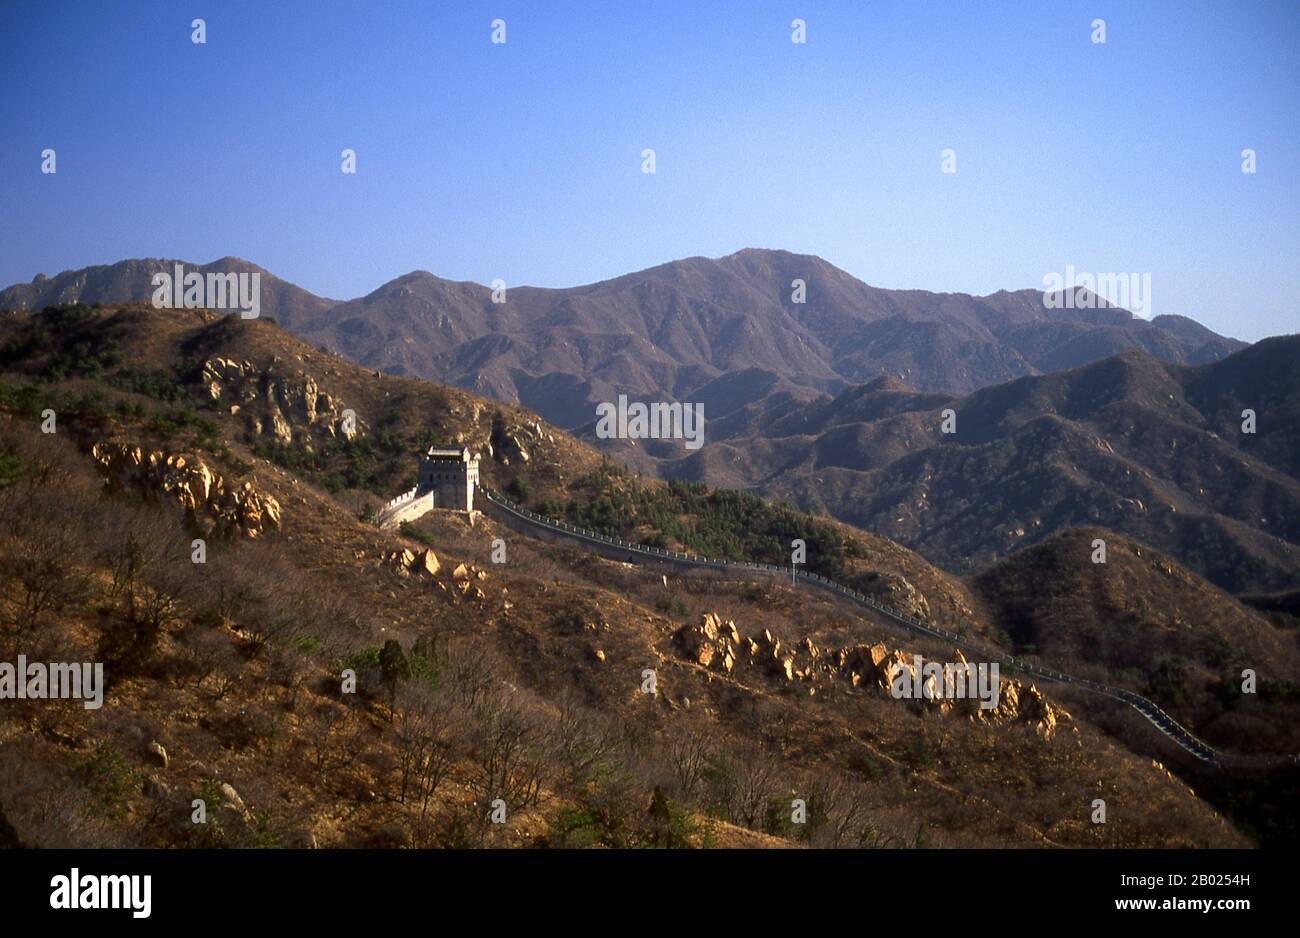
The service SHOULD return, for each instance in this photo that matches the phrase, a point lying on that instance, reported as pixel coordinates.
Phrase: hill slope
(1168, 633)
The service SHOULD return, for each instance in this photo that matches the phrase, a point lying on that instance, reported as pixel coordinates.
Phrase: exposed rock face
(233, 801)
(1025, 704)
(873, 664)
(282, 406)
(719, 646)
(896, 591)
(507, 441)
(425, 564)
(188, 482)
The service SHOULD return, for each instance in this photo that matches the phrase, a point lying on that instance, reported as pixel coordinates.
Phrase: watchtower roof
(446, 452)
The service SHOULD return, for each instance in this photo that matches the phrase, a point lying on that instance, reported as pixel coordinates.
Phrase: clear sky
(523, 161)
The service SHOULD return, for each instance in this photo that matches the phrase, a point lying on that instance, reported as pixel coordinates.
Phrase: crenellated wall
(406, 507)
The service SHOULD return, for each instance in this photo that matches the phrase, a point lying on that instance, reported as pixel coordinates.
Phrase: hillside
(1163, 631)
(224, 677)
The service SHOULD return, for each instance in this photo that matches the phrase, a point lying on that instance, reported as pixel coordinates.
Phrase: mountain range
(1139, 445)
(725, 331)
(1064, 416)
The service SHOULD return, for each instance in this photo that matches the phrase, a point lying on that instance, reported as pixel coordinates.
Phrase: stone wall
(406, 507)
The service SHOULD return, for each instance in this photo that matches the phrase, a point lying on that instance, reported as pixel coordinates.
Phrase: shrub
(672, 826)
(714, 523)
(407, 529)
(109, 779)
(519, 489)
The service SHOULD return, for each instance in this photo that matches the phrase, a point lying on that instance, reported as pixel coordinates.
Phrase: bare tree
(153, 578)
(757, 780)
(42, 553)
(585, 745)
(470, 673)
(332, 744)
(837, 811)
(509, 745)
(689, 752)
(206, 651)
(426, 729)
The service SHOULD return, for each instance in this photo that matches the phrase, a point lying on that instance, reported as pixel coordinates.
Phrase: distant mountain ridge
(130, 281)
(683, 331)
(1152, 449)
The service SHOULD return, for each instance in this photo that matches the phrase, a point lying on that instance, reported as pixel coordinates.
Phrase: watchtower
(451, 475)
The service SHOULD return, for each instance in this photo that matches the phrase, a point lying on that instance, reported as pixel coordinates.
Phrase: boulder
(232, 799)
(159, 753)
(709, 641)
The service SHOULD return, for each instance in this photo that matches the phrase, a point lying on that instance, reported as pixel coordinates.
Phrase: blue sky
(523, 161)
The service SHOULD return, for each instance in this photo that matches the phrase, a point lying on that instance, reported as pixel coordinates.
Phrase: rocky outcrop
(1026, 704)
(719, 646)
(424, 564)
(506, 444)
(233, 802)
(872, 665)
(711, 643)
(286, 407)
(187, 481)
(898, 592)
